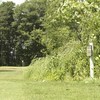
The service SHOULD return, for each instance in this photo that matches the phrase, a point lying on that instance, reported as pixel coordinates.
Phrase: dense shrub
(67, 62)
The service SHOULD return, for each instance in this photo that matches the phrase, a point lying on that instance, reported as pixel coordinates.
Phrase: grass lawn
(13, 87)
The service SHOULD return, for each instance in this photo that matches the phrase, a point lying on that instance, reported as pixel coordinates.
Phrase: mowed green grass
(14, 87)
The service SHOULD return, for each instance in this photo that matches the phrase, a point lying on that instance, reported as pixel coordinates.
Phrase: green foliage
(80, 19)
(29, 29)
(67, 62)
(65, 23)
(81, 22)
(51, 28)
(6, 31)
(37, 69)
(21, 32)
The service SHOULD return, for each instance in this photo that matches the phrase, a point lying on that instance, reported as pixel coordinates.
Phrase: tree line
(20, 32)
(37, 28)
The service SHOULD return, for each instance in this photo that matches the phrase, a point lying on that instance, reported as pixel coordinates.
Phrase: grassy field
(14, 87)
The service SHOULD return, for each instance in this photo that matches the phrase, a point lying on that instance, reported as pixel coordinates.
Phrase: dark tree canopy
(20, 32)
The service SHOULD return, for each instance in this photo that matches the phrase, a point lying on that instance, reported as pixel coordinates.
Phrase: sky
(15, 1)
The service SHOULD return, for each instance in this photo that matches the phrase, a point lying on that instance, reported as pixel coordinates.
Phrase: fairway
(14, 87)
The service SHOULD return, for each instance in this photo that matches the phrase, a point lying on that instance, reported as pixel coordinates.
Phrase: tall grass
(37, 68)
(61, 64)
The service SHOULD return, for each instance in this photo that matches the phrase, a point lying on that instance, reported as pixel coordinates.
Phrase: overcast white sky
(15, 1)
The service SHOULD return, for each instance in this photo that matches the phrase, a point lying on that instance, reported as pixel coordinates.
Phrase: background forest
(51, 36)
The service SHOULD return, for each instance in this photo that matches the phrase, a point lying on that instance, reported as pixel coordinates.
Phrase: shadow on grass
(7, 70)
